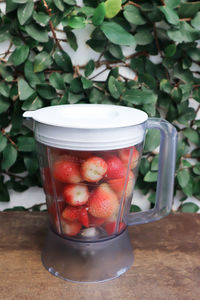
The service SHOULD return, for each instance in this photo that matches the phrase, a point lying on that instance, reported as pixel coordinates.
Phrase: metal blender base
(87, 261)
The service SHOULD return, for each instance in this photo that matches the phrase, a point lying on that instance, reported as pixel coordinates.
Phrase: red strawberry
(71, 213)
(115, 169)
(71, 228)
(96, 221)
(67, 171)
(124, 155)
(111, 227)
(83, 217)
(76, 194)
(103, 202)
(93, 169)
(52, 209)
(47, 183)
(117, 185)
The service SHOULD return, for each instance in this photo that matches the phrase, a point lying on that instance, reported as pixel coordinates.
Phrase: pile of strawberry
(91, 187)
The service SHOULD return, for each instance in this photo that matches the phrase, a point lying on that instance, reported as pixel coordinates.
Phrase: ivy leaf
(24, 90)
(31, 164)
(46, 91)
(189, 207)
(32, 103)
(41, 18)
(20, 1)
(116, 51)
(19, 55)
(170, 50)
(4, 89)
(192, 135)
(152, 140)
(196, 21)
(188, 9)
(70, 2)
(86, 83)
(183, 177)
(144, 37)
(99, 14)
(26, 144)
(59, 4)
(89, 68)
(95, 96)
(63, 60)
(154, 164)
(37, 33)
(4, 104)
(76, 22)
(25, 11)
(57, 81)
(117, 34)
(133, 15)
(170, 15)
(71, 38)
(185, 34)
(112, 8)
(3, 142)
(42, 61)
(151, 176)
(172, 3)
(114, 87)
(32, 78)
(196, 94)
(139, 97)
(74, 98)
(9, 156)
(10, 6)
(194, 53)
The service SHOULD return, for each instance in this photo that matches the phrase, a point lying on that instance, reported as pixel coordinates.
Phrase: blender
(89, 156)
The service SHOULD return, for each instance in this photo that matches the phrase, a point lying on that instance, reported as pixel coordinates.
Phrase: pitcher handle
(166, 170)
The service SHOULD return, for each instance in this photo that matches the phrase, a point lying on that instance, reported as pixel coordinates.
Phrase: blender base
(87, 261)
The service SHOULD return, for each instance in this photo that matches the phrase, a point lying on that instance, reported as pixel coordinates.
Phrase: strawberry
(76, 194)
(103, 202)
(52, 209)
(93, 169)
(115, 169)
(96, 221)
(111, 227)
(83, 217)
(71, 213)
(47, 183)
(117, 185)
(124, 155)
(67, 171)
(71, 228)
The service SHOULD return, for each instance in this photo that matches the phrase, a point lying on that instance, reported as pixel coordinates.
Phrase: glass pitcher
(89, 157)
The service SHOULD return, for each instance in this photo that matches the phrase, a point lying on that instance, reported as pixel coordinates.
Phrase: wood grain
(167, 262)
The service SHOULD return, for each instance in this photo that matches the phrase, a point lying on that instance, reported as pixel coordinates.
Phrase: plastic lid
(88, 126)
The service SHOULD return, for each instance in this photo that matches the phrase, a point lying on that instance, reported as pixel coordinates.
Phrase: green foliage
(36, 71)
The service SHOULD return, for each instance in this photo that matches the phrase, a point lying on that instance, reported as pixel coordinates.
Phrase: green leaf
(116, 51)
(170, 15)
(19, 55)
(133, 15)
(194, 53)
(192, 135)
(151, 176)
(71, 38)
(176, 94)
(24, 90)
(74, 98)
(135, 208)
(188, 9)
(57, 81)
(4, 104)
(188, 115)
(154, 164)
(152, 140)
(3, 142)
(26, 144)
(112, 8)
(20, 1)
(95, 96)
(89, 68)
(42, 61)
(196, 21)
(170, 50)
(183, 177)
(10, 6)
(31, 164)
(99, 14)
(59, 4)
(117, 34)
(63, 60)
(196, 169)
(46, 91)
(37, 33)
(70, 2)
(9, 156)
(144, 166)
(172, 3)
(189, 207)
(4, 89)
(32, 103)
(25, 11)
(196, 94)
(3, 191)
(76, 22)
(152, 198)
(32, 78)
(144, 37)
(41, 18)
(139, 97)
(114, 87)
(186, 33)
(87, 84)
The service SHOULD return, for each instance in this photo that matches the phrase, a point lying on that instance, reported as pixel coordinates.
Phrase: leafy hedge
(35, 71)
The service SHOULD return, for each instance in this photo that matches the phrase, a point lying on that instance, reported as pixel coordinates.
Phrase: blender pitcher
(89, 156)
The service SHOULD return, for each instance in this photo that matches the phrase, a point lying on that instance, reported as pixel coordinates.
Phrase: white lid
(88, 126)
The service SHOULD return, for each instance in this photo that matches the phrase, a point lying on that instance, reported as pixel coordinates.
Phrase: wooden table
(167, 262)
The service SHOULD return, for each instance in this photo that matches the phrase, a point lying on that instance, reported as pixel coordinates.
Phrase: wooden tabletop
(167, 262)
